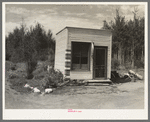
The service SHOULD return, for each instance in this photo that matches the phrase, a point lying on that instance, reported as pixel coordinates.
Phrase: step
(99, 81)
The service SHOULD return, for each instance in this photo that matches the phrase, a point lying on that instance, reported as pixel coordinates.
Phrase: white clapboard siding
(71, 34)
(80, 75)
(89, 31)
(61, 46)
(109, 58)
(98, 37)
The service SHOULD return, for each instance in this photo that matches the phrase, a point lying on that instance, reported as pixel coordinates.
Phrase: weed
(53, 78)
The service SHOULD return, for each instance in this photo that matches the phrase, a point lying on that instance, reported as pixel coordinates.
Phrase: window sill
(80, 70)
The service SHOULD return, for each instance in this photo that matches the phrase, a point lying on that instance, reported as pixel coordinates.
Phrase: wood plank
(61, 44)
(99, 81)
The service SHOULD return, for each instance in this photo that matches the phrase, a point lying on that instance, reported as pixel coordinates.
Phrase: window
(80, 56)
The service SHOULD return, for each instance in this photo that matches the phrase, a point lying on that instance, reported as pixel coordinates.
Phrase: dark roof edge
(82, 28)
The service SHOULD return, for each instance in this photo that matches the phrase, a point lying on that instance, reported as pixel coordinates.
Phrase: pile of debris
(36, 90)
(46, 90)
(126, 77)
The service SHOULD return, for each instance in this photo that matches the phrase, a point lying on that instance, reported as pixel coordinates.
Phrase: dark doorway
(100, 63)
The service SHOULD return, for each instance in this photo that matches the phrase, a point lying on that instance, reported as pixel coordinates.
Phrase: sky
(57, 16)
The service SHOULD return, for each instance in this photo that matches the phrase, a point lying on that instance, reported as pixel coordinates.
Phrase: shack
(83, 53)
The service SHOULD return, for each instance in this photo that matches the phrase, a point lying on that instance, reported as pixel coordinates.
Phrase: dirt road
(121, 96)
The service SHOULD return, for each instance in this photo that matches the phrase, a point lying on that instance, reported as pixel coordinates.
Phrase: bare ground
(118, 96)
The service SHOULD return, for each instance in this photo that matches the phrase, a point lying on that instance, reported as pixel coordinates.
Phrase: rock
(48, 90)
(35, 90)
(27, 86)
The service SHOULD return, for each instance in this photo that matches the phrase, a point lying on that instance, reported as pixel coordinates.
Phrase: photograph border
(87, 114)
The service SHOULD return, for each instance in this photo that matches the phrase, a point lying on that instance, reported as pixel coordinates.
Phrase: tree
(127, 39)
(29, 46)
(118, 30)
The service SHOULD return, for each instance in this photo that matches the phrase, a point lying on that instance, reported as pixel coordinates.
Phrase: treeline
(24, 42)
(127, 40)
(30, 45)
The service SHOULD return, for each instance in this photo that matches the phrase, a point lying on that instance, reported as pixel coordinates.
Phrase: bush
(53, 78)
(43, 57)
(115, 64)
(40, 75)
(13, 67)
(9, 65)
(12, 76)
(18, 82)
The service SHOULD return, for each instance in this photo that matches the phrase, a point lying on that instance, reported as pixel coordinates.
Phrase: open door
(100, 63)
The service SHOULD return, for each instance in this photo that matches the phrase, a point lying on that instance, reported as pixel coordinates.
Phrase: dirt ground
(128, 95)
(118, 96)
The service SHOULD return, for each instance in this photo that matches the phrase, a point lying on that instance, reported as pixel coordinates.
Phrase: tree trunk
(142, 56)
(122, 58)
(132, 55)
(29, 70)
(119, 53)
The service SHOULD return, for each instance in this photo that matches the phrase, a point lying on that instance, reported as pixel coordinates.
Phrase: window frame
(88, 57)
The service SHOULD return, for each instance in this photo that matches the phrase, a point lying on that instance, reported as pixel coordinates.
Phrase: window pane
(84, 60)
(84, 50)
(76, 60)
(80, 52)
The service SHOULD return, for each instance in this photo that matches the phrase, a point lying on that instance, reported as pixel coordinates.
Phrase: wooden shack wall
(61, 46)
(100, 38)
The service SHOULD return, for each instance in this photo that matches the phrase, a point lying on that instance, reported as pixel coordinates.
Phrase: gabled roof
(82, 28)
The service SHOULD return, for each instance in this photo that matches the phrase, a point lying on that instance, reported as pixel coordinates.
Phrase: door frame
(94, 57)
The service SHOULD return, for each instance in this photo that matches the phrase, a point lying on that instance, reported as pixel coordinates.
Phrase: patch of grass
(10, 65)
(18, 85)
(37, 83)
(12, 75)
(18, 81)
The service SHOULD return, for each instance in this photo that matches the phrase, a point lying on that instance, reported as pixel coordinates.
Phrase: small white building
(83, 53)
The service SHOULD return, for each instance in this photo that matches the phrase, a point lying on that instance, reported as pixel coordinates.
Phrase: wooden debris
(135, 74)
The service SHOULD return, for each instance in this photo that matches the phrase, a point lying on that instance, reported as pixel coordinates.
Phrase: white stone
(36, 90)
(48, 90)
(27, 86)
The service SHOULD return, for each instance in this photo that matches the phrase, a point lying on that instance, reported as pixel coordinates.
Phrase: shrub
(46, 63)
(12, 76)
(40, 75)
(18, 82)
(9, 65)
(13, 67)
(43, 57)
(53, 78)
